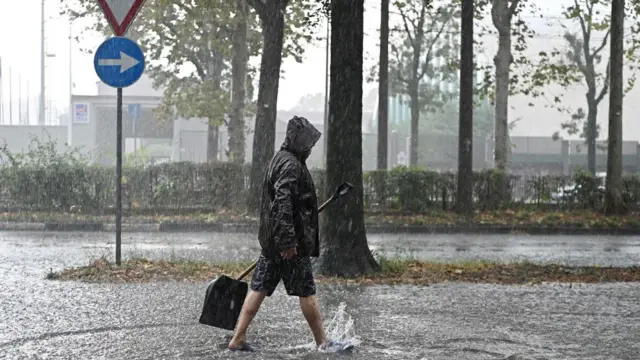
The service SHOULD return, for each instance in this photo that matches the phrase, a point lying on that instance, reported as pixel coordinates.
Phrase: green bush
(377, 189)
(45, 179)
(631, 190)
(588, 192)
(185, 185)
(492, 189)
(540, 189)
(416, 189)
(42, 177)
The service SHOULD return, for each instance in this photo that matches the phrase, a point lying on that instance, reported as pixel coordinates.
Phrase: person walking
(288, 234)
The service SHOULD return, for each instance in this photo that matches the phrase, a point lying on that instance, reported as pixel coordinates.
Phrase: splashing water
(340, 328)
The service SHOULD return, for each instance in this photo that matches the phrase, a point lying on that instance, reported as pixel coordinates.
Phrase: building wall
(18, 137)
(95, 132)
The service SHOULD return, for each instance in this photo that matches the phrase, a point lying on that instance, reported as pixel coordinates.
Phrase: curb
(21, 226)
(372, 229)
(189, 227)
(499, 230)
(89, 226)
(111, 227)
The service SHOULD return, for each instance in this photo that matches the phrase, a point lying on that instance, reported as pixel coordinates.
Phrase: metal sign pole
(119, 176)
(135, 140)
(119, 62)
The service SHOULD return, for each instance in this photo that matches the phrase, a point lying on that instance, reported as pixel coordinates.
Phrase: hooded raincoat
(289, 205)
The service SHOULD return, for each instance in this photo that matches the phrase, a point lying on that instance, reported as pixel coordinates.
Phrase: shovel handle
(342, 190)
(247, 271)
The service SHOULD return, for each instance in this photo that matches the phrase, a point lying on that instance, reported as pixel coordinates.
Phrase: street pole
(135, 140)
(41, 113)
(1, 95)
(383, 88)
(28, 103)
(10, 97)
(19, 99)
(118, 176)
(70, 123)
(128, 57)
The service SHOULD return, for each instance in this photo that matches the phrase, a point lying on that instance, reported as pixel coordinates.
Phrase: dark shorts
(296, 274)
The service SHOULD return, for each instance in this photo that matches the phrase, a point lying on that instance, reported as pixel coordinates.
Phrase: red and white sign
(120, 13)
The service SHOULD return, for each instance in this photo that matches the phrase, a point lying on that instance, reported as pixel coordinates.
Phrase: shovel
(225, 296)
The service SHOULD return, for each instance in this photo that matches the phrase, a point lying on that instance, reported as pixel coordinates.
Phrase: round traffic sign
(119, 62)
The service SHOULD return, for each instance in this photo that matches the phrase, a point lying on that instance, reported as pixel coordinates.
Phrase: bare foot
(235, 344)
(239, 345)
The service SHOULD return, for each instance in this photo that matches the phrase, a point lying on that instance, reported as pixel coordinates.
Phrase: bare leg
(311, 311)
(249, 310)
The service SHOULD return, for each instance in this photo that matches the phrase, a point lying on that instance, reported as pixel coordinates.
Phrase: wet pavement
(66, 320)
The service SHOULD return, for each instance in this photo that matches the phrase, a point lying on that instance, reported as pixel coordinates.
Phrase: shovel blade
(223, 302)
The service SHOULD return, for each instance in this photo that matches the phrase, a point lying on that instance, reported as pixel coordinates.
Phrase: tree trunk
(415, 117)
(464, 197)
(413, 89)
(614, 204)
(213, 139)
(345, 251)
(213, 128)
(238, 88)
(502, 62)
(272, 19)
(383, 87)
(501, 13)
(592, 117)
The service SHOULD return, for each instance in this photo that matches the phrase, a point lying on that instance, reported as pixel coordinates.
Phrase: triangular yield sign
(120, 13)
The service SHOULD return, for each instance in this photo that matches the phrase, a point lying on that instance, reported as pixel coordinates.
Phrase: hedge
(92, 188)
(214, 186)
(43, 179)
(417, 190)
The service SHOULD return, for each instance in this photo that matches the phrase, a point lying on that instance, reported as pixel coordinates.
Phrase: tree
(272, 20)
(499, 81)
(383, 86)
(423, 36)
(579, 63)
(614, 203)
(502, 12)
(239, 65)
(464, 194)
(345, 251)
(585, 59)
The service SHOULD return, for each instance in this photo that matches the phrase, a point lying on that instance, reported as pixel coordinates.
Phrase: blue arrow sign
(134, 111)
(119, 62)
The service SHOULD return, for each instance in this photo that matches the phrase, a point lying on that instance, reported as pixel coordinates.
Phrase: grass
(140, 269)
(395, 269)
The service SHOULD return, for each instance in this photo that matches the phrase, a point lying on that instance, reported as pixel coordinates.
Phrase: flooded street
(184, 123)
(66, 320)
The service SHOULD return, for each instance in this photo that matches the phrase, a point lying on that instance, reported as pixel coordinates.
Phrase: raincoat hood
(301, 137)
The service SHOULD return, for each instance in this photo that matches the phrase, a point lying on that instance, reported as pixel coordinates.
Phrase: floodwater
(67, 320)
